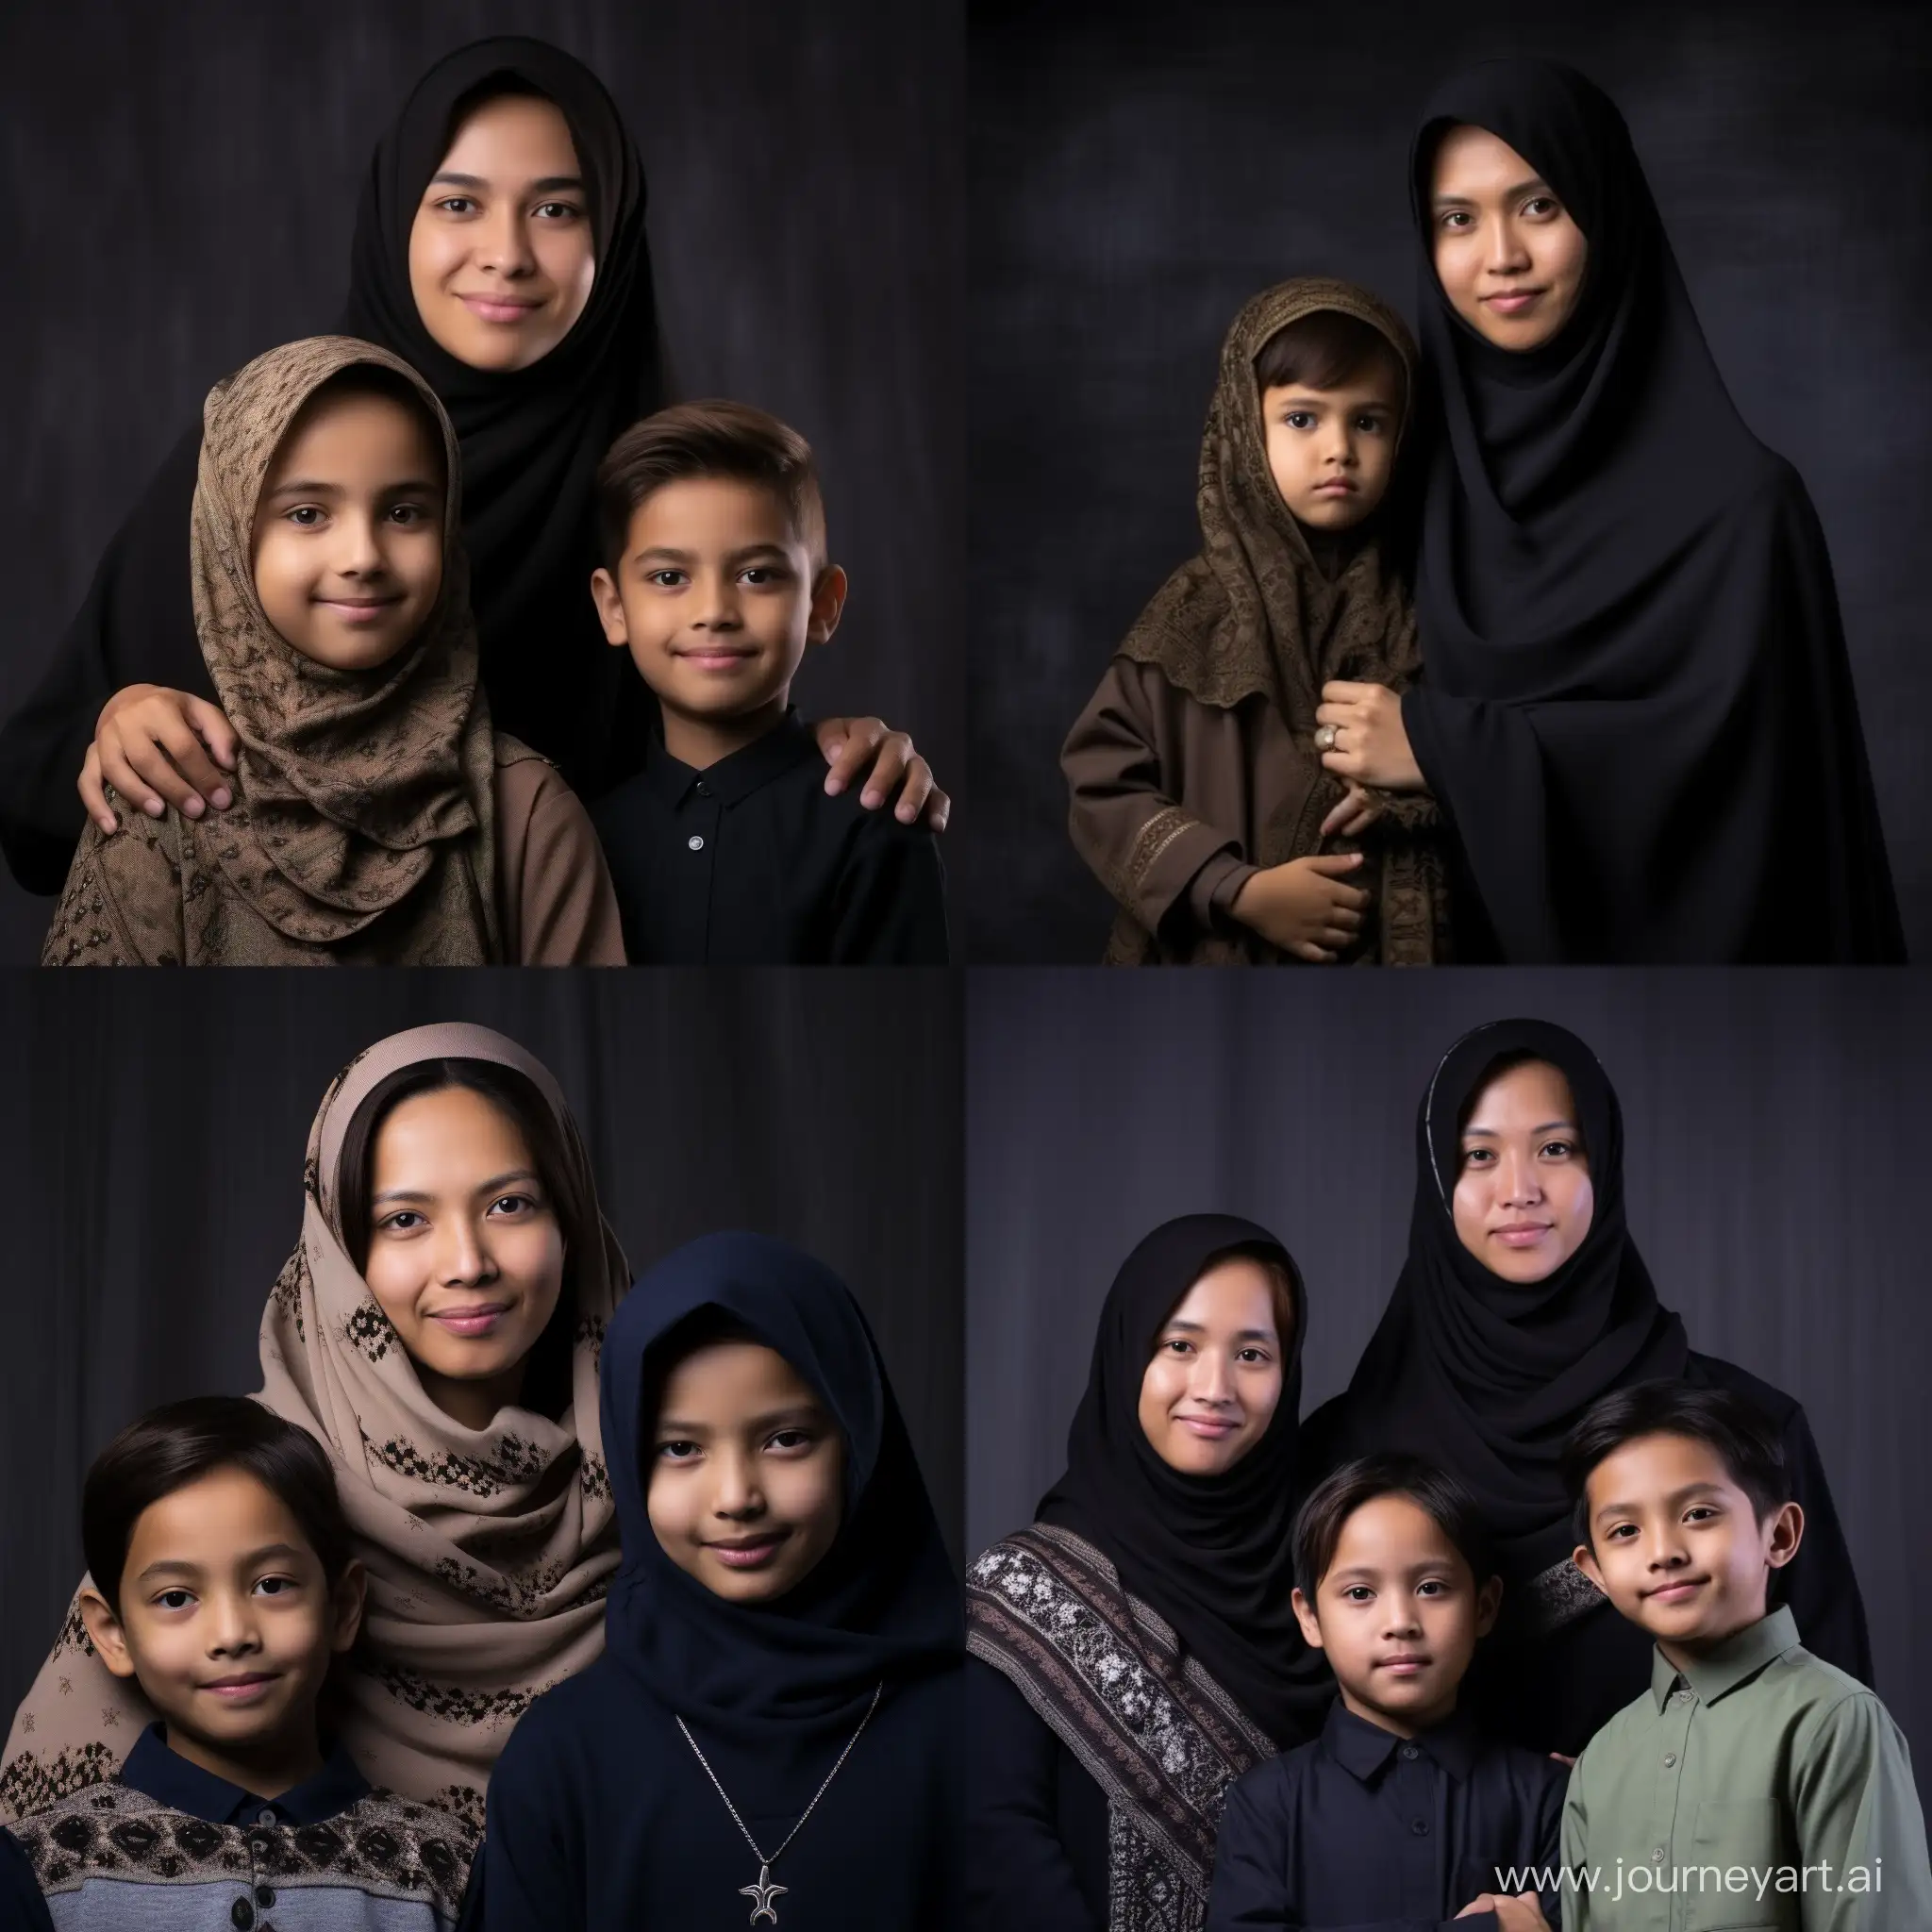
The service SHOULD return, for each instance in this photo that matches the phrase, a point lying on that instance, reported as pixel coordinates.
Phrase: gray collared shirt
(1760, 1788)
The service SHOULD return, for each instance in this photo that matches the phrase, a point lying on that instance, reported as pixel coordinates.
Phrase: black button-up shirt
(748, 862)
(1365, 1830)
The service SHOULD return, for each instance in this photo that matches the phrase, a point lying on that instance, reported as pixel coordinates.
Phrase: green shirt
(1712, 1801)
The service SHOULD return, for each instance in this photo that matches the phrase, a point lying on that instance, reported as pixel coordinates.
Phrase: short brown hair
(709, 438)
(1324, 349)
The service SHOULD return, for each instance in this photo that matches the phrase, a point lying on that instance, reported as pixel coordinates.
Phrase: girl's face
(465, 1253)
(745, 1473)
(1523, 1200)
(1215, 1378)
(347, 545)
(1507, 255)
(500, 250)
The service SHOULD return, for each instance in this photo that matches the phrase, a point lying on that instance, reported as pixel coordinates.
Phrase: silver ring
(1325, 738)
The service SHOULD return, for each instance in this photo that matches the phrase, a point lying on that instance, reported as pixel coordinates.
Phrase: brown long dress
(1194, 764)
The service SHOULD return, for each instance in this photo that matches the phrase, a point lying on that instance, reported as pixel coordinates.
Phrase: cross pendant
(761, 1894)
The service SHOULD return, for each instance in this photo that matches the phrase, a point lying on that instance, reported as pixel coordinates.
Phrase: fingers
(939, 808)
(91, 794)
(211, 725)
(1335, 865)
(851, 754)
(1306, 949)
(1336, 713)
(188, 757)
(888, 767)
(131, 784)
(912, 794)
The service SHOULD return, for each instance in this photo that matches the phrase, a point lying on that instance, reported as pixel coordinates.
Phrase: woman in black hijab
(1636, 706)
(1135, 1650)
(531, 438)
(675, 1779)
(1521, 1304)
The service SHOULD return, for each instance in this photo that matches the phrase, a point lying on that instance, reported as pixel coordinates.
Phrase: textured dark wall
(1137, 171)
(152, 1131)
(1777, 1147)
(181, 183)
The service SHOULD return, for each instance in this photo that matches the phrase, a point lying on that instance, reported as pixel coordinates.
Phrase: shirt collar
(171, 1780)
(1725, 1666)
(1362, 1748)
(733, 779)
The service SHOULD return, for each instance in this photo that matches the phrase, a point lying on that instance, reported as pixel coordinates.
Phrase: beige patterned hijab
(489, 1551)
(358, 790)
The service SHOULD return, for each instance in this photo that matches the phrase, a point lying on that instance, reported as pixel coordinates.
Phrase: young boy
(1401, 1813)
(1201, 774)
(725, 848)
(222, 1581)
(1752, 1784)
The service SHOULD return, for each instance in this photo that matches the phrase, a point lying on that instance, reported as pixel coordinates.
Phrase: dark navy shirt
(1370, 1832)
(748, 862)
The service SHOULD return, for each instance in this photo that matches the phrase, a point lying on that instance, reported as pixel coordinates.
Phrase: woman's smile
(751, 1552)
(477, 1318)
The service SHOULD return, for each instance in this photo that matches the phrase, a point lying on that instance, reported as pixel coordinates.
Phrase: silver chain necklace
(764, 1892)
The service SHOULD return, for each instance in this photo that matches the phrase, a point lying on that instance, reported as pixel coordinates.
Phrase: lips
(502, 309)
(1520, 1234)
(1404, 1664)
(244, 1688)
(749, 1552)
(1677, 1593)
(1514, 301)
(478, 1318)
(720, 659)
(1210, 1428)
(1335, 485)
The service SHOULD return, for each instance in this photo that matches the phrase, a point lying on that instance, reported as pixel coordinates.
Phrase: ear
(1783, 1534)
(609, 607)
(1585, 1560)
(1489, 1600)
(104, 1627)
(828, 601)
(346, 1604)
(1305, 1616)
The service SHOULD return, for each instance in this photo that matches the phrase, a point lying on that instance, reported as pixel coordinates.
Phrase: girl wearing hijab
(771, 1736)
(522, 292)
(444, 1349)
(1136, 1650)
(1195, 769)
(376, 818)
(1638, 712)
(1522, 1301)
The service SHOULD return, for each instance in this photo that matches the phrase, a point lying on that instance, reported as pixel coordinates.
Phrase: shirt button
(1409, 1751)
(697, 841)
(242, 1913)
(703, 790)
(264, 1895)
(1669, 1757)
(264, 1818)
(1656, 1855)
(1421, 1828)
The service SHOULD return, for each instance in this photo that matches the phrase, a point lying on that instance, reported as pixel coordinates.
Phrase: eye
(1432, 1587)
(557, 210)
(1454, 215)
(276, 1586)
(1558, 1150)
(1541, 205)
(1256, 1356)
(666, 579)
(791, 1439)
(1178, 1344)
(174, 1600)
(1620, 1531)
(1300, 419)
(404, 1221)
(304, 516)
(762, 576)
(515, 1204)
(676, 1450)
(409, 514)
(1477, 1157)
(1370, 426)
(457, 204)
(1699, 1512)
(1357, 1593)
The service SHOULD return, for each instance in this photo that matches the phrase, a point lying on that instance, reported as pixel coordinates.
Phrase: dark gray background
(1138, 172)
(1777, 1151)
(152, 1132)
(181, 182)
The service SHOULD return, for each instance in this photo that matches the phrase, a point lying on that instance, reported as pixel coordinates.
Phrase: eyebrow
(1367, 1574)
(415, 485)
(777, 1418)
(1241, 1335)
(1535, 181)
(665, 553)
(1674, 1499)
(545, 184)
(174, 1567)
(1495, 1133)
(489, 1187)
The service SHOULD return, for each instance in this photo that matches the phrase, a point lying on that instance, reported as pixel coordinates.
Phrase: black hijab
(1636, 704)
(1486, 1377)
(531, 440)
(1212, 1554)
(883, 1603)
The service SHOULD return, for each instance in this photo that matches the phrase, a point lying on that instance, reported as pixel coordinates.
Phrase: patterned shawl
(489, 1551)
(1107, 1675)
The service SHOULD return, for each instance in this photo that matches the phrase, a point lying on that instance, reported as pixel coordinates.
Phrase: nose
(1507, 253)
(359, 552)
(503, 245)
(1400, 1618)
(1210, 1381)
(465, 1260)
(736, 1494)
(231, 1630)
(1517, 1181)
(1337, 445)
(717, 602)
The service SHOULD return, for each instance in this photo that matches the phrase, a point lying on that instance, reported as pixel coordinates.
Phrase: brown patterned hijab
(1255, 613)
(489, 1551)
(358, 790)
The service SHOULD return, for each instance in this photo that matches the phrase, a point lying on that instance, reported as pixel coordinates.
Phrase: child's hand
(852, 744)
(1356, 812)
(1523, 1913)
(1370, 746)
(158, 747)
(1304, 908)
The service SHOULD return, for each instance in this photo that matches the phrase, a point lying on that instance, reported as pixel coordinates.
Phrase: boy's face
(348, 531)
(1332, 451)
(1676, 1544)
(225, 1618)
(745, 1474)
(716, 597)
(1398, 1614)
(1214, 1380)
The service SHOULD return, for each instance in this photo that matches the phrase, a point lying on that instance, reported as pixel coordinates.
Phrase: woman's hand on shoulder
(158, 748)
(856, 745)
(1361, 736)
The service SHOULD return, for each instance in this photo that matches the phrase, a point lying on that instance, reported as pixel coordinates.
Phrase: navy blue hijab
(882, 1605)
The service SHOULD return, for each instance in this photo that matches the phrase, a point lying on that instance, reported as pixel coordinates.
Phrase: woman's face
(1216, 1375)
(500, 251)
(1507, 255)
(1523, 1200)
(465, 1253)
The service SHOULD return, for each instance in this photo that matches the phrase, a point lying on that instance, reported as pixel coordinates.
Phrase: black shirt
(748, 862)
(1377, 1833)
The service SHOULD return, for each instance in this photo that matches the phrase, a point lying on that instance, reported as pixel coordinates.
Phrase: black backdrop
(181, 183)
(1139, 170)
(151, 1139)
(1777, 1147)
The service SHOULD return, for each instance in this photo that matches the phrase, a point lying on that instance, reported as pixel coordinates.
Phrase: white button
(695, 841)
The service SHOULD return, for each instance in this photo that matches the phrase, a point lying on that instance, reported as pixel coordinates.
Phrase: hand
(1304, 908)
(1356, 812)
(158, 747)
(1522, 1913)
(1371, 746)
(852, 744)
